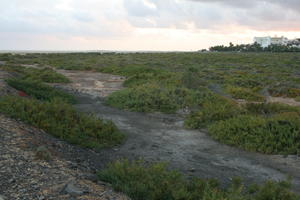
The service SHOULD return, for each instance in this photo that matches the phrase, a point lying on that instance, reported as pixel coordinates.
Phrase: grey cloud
(138, 8)
(215, 14)
(289, 4)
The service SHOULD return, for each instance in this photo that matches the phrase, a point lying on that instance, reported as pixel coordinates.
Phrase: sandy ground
(159, 137)
(288, 101)
(92, 83)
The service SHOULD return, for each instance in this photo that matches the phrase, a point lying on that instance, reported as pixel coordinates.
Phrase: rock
(2, 197)
(73, 190)
(91, 177)
(43, 153)
(192, 170)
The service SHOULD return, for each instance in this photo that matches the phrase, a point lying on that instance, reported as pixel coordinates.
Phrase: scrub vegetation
(39, 90)
(50, 109)
(155, 182)
(210, 86)
(61, 120)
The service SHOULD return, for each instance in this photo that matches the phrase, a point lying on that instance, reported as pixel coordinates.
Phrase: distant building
(263, 41)
(267, 41)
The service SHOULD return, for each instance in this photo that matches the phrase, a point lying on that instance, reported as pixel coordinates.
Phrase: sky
(158, 25)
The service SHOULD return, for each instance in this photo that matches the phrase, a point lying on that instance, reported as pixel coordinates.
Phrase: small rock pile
(31, 170)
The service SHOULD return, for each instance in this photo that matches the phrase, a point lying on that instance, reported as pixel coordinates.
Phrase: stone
(2, 197)
(73, 190)
(43, 153)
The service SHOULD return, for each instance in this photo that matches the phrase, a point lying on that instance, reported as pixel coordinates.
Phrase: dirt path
(158, 137)
(93, 83)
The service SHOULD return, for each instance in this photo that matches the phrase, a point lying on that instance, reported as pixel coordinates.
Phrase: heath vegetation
(208, 85)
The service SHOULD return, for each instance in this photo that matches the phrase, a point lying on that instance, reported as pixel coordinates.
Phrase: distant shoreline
(86, 51)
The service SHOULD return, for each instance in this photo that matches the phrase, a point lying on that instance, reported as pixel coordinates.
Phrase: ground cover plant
(39, 90)
(61, 120)
(47, 74)
(155, 182)
(279, 134)
(244, 93)
(207, 85)
(32, 82)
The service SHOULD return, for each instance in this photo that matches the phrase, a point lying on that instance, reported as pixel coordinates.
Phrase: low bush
(284, 92)
(130, 70)
(47, 75)
(269, 108)
(155, 182)
(279, 134)
(151, 98)
(61, 120)
(212, 109)
(40, 90)
(244, 93)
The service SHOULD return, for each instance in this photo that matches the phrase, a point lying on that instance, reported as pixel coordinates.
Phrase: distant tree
(254, 48)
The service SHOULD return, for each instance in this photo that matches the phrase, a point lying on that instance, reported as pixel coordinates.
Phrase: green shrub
(284, 92)
(155, 182)
(61, 120)
(244, 93)
(297, 98)
(212, 109)
(191, 79)
(269, 108)
(151, 98)
(40, 90)
(278, 134)
(130, 70)
(47, 75)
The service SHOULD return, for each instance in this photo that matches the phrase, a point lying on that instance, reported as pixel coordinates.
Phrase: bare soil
(284, 100)
(92, 83)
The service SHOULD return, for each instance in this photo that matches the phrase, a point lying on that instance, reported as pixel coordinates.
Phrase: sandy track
(159, 137)
(92, 83)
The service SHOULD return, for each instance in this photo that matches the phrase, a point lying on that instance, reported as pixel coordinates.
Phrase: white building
(263, 41)
(267, 41)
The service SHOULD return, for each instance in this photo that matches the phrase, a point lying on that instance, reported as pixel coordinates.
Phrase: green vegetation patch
(47, 75)
(155, 182)
(61, 120)
(39, 90)
(267, 109)
(244, 93)
(284, 92)
(151, 98)
(212, 108)
(277, 134)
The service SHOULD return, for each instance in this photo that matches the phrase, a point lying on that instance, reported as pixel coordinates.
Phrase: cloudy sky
(142, 24)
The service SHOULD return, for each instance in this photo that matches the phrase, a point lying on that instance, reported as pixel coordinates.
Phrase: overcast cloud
(142, 24)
